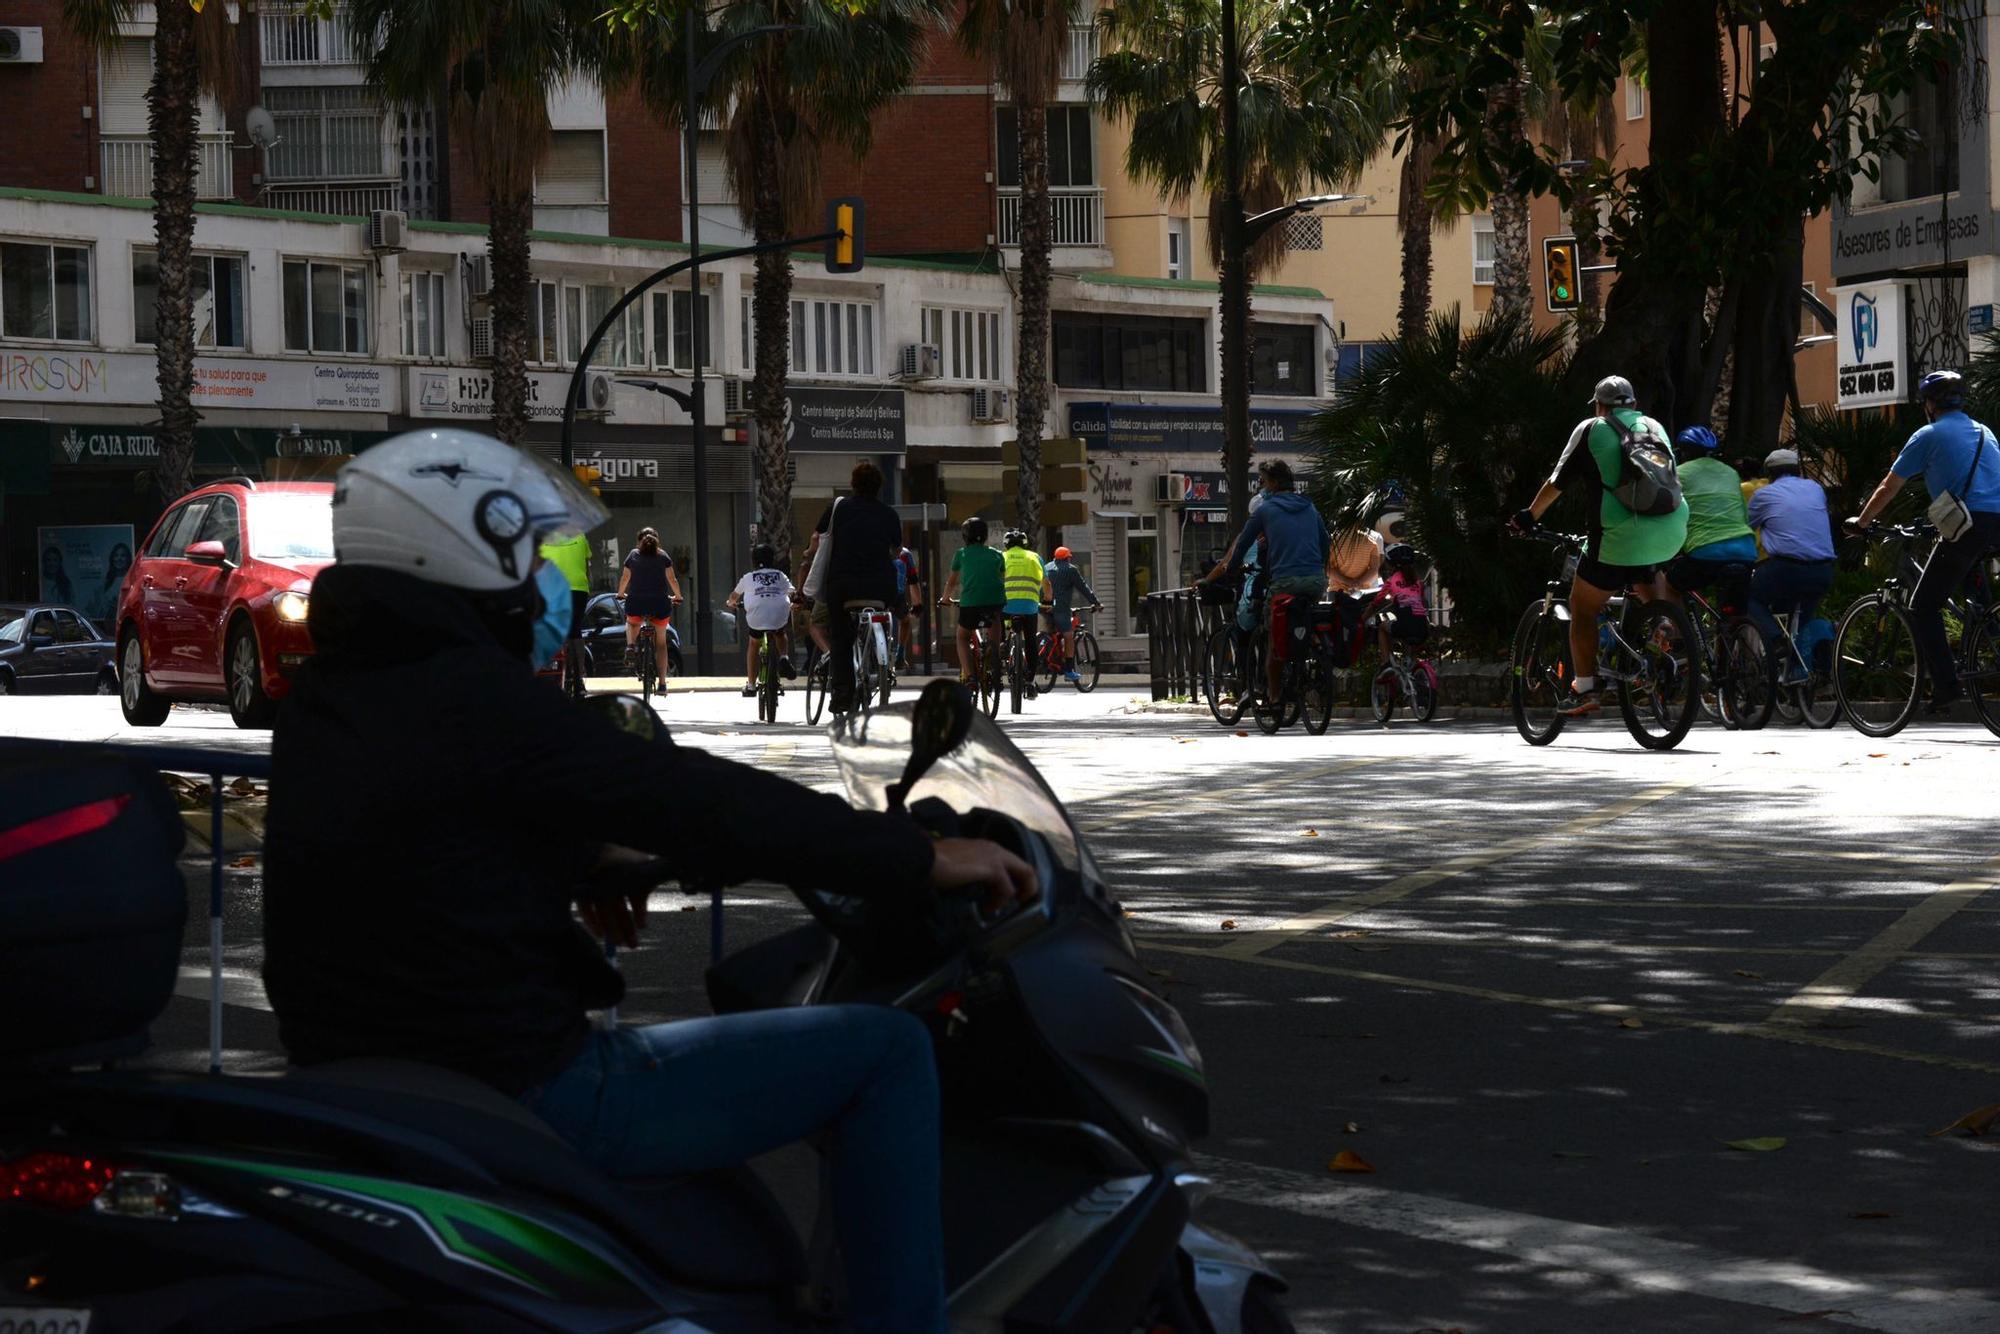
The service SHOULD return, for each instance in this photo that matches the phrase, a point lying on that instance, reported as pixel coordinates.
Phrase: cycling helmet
(456, 508)
(763, 555)
(1943, 389)
(1016, 538)
(1060, 553)
(1698, 437)
(974, 530)
(1401, 554)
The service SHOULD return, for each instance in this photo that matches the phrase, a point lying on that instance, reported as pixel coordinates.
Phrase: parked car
(214, 606)
(603, 636)
(51, 650)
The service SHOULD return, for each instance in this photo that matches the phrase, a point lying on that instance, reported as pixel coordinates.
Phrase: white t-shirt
(767, 599)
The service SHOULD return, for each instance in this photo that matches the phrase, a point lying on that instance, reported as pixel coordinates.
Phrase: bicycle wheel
(989, 678)
(816, 683)
(1817, 704)
(767, 684)
(1540, 669)
(1271, 712)
(1876, 672)
(1316, 694)
(1384, 694)
(1425, 701)
(1224, 679)
(1048, 662)
(1746, 687)
(1982, 668)
(1661, 704)
(1086, 662)
(886, 646)
(647, 668)
(1708, 626)
(1017, 672)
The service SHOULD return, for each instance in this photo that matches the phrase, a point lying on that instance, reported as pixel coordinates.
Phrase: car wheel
(141, 706)
(6, 683)
(248, 704)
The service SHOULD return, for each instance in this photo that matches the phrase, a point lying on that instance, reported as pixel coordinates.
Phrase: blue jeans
(709, 1093)
(1781, 585)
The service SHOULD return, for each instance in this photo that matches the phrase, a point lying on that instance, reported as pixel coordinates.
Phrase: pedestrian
(649, 590)
(864, 536)
(1960, 462)
(909, 593)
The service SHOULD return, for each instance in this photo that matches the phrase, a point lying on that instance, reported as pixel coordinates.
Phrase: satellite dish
(263, 130)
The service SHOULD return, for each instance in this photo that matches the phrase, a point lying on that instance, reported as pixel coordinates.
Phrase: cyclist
(1958, 457)
(1026, 585)
(459, 948)
(908, 593)
(866, 535)
(978, 580)
(572, 557)
(1624, 550)
(1296, 549)
(765, 596)
(650, 591)
(1718, 530)
(1405, 587)
(1065, 581)
(1790, 518)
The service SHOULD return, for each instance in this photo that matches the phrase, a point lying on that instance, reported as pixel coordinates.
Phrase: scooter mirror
(938, 724)
(627, 713)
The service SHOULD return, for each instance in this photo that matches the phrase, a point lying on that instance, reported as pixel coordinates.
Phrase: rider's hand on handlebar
(1853, 526)
(974, 863)
(1522, 522)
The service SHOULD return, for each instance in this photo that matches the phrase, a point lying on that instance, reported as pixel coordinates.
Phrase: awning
(1113, 514)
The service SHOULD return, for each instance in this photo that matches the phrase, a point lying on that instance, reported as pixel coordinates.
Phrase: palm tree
(1507, 123)
(193, 52)
(786, 95)
(1024, 40)
(492, 63)
(1298, 128)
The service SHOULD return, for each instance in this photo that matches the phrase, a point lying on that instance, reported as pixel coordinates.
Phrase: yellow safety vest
(573, 559)
(1024, 575)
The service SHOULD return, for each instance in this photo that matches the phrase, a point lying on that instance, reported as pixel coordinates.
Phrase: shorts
(1409, 629)
(1613, 578)
(658, 610)
(1688, 573)
(976, 618)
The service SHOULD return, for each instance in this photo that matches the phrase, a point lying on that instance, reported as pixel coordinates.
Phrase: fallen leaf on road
(242, 787)
(1347, 1160)
(687, 907)
(1973, 1123)
(1356, 934)
(1371, 949)
(1353, 1127)
(1229, 924)
(1745, 972)
(1762, 1144)
(1185, 740)
(1243, 734)
(1310, 833)
(1871, 1213)
(247, 859)
(1631, 1023)
(1878, 754)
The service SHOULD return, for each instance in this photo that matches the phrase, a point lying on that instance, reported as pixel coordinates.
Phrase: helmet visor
(558, 507)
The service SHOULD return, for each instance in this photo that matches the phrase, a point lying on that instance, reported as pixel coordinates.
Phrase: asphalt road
(1538, 991)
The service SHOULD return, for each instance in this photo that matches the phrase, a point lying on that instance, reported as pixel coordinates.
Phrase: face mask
(552, 626)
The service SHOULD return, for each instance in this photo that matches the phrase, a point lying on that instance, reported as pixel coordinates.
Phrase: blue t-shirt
(1790, 515)
(1942, 452)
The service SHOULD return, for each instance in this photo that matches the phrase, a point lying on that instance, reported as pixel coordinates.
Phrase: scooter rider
(432, 809)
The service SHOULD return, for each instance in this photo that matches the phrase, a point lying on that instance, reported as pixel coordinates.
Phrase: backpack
(1648, 483)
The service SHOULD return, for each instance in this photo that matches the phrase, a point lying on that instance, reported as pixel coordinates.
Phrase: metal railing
(345, 198)
(1076, 217)
(1080, 53)
(293, 35)
(1178, 626)
(127, 161)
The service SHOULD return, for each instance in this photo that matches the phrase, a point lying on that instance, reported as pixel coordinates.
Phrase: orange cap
(1061, 553)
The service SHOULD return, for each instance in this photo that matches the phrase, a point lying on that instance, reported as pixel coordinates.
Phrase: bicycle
(1083, 654)
(1232, 662)
(768, 687)
(1652, 657)
(1017, 663)
(1404, 679)
(1736, 686)
(1876, 671)
(984, 676)
(1305, 683)
(1802, 685)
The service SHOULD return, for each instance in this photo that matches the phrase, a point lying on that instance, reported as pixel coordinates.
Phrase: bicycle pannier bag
(1648, 482)
(816, 577)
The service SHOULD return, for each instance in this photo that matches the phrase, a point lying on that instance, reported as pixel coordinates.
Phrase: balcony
(1081, 52)
(128, 166)
(1076, 217)
(351, 199)
(293, 35)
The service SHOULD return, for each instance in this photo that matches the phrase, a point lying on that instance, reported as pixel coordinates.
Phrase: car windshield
(298, 526)
(986, 771)
(13, 624)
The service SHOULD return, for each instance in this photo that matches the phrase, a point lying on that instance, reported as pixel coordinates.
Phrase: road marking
(1386, 938)
(1636, 1261)
(241, 987)
(1842, 982)
(1269, 938)
(1610, 1009)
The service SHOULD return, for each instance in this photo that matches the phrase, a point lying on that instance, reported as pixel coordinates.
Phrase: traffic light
(1560, 272)
(588, 476)
(844, 248)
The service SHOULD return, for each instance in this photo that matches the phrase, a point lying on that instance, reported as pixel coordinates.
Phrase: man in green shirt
(1624, 550)
(978, 578)
(1718, 533)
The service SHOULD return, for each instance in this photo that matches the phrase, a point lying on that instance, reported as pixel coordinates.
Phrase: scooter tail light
(56, 1179)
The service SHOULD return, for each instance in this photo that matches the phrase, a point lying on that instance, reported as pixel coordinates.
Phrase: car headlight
(291, 606)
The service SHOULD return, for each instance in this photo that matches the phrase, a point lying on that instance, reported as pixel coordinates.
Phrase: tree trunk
(1235, 372)
(174, 108)
(1414, 308)
(510, 217)
(1031, 347)
(1509, 208)
(1764, 380)
(771, 300)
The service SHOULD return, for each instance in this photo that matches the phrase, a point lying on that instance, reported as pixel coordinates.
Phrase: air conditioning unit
(481, 341)
(478, 276)
(922, 361)
(992, 405)
(386, 227)
(1170, 488)
(596, 392)
(735, 396)
(20, 46)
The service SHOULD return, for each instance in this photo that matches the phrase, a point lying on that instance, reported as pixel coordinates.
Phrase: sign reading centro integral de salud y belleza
(1870, 355)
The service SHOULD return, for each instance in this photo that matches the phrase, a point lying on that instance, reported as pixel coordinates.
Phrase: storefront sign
(83, 565)
(237, 448)
(1870, 355)
(1114, 486)
(467, 392)
(1181, 429)
(219, 382)
(844, 421)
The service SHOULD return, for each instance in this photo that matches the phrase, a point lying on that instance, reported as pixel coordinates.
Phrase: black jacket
(432, 807)
(866, 538)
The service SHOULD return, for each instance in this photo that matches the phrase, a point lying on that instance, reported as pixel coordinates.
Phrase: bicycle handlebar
(1551, 537)
(1878, 531)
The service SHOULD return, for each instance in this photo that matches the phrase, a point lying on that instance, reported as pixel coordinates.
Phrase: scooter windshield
(985, 771)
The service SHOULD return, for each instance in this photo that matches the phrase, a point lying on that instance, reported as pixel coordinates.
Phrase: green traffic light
(1562, 293)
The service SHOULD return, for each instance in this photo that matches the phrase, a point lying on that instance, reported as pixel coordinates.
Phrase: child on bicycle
(1404, 585)
(765, 598)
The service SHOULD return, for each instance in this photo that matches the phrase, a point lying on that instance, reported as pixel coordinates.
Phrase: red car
(214, 606)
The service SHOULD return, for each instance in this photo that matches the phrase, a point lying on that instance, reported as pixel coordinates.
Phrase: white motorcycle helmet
(456, 508)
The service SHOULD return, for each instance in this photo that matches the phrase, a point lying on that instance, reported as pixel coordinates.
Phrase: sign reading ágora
(1870, 353)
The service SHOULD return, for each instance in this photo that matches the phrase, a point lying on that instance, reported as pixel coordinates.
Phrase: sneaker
(749, 690)
(1574, 705)
(787, 669)
(1071, 677)
(1941, 704)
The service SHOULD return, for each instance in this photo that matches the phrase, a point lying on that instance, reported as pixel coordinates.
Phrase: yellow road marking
(1610, 1009)
(1258, 942)
(1842, 982)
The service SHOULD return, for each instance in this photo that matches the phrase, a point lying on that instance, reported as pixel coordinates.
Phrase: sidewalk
(612, 685)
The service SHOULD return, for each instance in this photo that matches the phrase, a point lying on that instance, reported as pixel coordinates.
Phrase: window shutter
(572, 171)
(127, 70)
(712, 170)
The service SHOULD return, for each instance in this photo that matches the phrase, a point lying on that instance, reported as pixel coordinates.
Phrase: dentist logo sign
(1869, 343)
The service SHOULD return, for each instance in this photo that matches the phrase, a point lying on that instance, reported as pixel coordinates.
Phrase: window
(545, 323)
(423, 314)
(1281, 359)
(673, 331)
(968, 341)
(218, 300)
(328, 132)
(1483, 250)
(1635, 99)
(749, 336)
(326, 307)
(1305, 232)
(833, 337)
(572, 171)
(291, 527)
(1357, 357)
(176, 532)
(73, 629)
(220, 525)
(1072, 156)
(45, 291)
(1931, 166)
(1130, 352)
(1177, 247)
